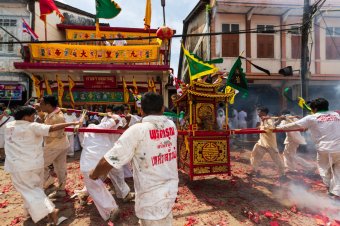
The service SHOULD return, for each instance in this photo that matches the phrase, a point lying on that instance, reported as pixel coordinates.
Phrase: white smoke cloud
(303, 198)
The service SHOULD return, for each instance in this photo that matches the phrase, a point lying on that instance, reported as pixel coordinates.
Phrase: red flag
(47, 7)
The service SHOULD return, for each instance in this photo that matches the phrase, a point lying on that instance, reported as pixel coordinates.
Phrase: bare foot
(54, 216)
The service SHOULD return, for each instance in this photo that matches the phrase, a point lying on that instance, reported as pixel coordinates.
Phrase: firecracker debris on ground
(213, 200)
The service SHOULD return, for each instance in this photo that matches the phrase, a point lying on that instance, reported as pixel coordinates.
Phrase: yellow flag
(232, 91)
(36, 84)
(71, 84)
(48, 88)
(135, 87)
(302, 104)
(126, 94)
(60, 91)
(153, 86)
(147, 18)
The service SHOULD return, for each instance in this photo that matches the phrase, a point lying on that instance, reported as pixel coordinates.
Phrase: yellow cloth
(91, 54)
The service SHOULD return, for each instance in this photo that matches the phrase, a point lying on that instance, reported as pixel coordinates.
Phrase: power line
(252, 30)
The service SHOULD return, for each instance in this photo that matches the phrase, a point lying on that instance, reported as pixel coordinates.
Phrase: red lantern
(164, 33)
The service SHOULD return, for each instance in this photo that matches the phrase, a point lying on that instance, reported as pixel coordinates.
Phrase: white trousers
(30, 185)
(70, 150)
(258, 153)
(291, 159)
(167, 221)
(57, 157)
(102, 198)
(118, 181)
(77, 145)
(329, 169)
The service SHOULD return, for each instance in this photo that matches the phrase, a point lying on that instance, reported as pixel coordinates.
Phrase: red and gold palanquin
(203, 150)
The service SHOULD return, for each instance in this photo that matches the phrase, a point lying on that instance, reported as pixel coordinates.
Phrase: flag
(47, 7)
(198, 68)
(26, 28)
(135, 87)
(60, 91)
(36, 85)
(71, 84)
(147, 18)
(126, 94)
(233, 92)
(151, 86)
(48, 88)
(106, 9)
(302, 104)
(237, 78)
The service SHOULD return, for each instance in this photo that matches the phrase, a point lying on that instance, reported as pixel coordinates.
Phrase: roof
(63, 6)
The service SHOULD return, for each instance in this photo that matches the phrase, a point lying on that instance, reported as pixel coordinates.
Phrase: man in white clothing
(56, 145)
(242, 123)
(95, 145)
(120, 42)
(292, 142)
(266, 144)
(4, 118)
(152, 148)
(70, 117)
(25, 161)
(324, 126)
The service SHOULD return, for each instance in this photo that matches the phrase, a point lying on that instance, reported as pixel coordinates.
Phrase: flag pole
(45, 31)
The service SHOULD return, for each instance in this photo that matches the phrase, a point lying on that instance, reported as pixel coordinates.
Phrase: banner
(92, 54)
(94, 97)
(60, 91)
(10, 92)
(71, 85)
(86, 34)
(100, 82)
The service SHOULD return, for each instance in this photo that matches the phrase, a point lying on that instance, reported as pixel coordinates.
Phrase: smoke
(316, 203)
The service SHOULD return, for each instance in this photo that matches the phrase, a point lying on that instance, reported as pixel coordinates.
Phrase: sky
(133, 12)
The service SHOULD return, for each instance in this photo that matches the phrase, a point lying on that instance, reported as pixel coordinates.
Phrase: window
(8, 22)
(230, 42)
(295, 30)
(10, 47)
(11, 26)
(265, 28)
(333, 31)
(265, 42)
(296, 42)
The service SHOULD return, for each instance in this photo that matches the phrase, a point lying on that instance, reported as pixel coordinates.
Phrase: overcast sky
(133, 12)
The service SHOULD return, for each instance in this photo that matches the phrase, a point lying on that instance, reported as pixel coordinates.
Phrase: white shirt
(95, 145)
(293, 137)
(242, 115)
(152, 147)
(23, 145)
(70, 118)
(324, 128)
(119, 43)
(2, 129)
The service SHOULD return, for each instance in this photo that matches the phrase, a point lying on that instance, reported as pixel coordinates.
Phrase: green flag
(237, 78)
(107, 9)
(198, 68)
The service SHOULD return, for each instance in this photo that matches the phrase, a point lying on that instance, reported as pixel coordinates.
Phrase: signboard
(10, 92)
(86, 34)
(95, 97)
(100, 82)
(94, 54)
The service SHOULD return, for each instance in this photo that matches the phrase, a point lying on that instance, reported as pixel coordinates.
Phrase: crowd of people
(34, 140)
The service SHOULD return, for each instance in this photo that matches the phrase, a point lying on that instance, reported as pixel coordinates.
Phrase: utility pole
(306, 24)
